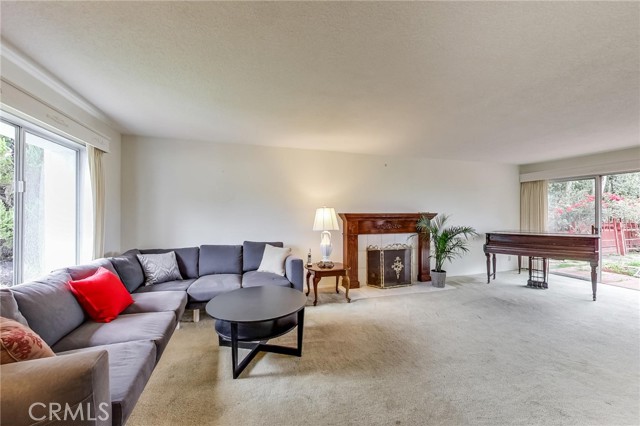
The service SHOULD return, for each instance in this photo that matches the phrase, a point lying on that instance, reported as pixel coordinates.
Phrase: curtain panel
(96, 175)
(533, 206)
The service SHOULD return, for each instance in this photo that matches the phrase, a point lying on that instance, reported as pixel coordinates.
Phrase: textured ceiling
(512, 82)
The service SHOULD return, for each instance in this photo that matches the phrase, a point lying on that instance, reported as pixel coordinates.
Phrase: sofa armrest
(294, 272)
(67, 389)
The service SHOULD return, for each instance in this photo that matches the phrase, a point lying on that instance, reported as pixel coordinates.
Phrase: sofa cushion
(49, 306)
(209, 286)
(158, 301)
(252, 252)
(102, 295)
(129, 270)
(187, 258)
(257, 279)
(9, 307)
(155, 326)
(220, 259)
(19, 343)
(159, 267)
(177, 285)
(80, 272)
(130, 367)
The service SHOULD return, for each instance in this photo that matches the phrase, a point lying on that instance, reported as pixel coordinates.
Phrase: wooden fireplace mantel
(355, 224)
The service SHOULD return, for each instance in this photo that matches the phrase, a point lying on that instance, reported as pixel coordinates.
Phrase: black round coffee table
(249, 317)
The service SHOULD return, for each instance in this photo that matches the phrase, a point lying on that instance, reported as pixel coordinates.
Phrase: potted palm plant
(448, 243)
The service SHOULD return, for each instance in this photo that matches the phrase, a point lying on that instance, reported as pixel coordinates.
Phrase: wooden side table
(338, 270)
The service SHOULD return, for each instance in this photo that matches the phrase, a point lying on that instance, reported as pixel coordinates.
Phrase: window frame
(22, 128)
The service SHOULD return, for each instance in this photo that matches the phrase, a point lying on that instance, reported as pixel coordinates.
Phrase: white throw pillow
(159, 268)
(273, 259)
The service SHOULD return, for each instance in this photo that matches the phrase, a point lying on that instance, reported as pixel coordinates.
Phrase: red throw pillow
(19, 343)
(102, 295)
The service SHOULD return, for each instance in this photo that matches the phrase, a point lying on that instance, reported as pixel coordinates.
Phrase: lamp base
(325, 250)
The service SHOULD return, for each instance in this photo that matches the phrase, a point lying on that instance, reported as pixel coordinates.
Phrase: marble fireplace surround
(355, 224)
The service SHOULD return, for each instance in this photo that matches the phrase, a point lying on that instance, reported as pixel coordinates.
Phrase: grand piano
(546, 246)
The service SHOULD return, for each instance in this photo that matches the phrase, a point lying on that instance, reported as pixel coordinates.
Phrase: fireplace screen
(389, 266)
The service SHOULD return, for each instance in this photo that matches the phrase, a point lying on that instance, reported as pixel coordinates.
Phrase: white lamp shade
(326, 219)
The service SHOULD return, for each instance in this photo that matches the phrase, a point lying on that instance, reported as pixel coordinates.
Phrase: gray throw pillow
(129, 270)
(159, 268)
(9, 307)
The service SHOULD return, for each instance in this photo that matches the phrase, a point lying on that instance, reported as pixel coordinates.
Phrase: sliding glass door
(40, 206)
(50, 206)
(572, 210)
(620, 230)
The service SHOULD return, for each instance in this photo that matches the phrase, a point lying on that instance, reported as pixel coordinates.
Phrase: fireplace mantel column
(350, 251)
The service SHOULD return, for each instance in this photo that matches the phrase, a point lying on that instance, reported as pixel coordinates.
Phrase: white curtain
(533, 206)
(96, 175)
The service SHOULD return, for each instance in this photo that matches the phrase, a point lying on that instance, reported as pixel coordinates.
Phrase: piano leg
(594, 279)
(519, 263)
(494, 266)
(488, 268)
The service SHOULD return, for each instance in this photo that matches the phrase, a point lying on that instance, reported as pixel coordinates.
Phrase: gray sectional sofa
(210, 270)
(104, 367)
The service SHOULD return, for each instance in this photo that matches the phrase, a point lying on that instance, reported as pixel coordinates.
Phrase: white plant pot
(438, 278)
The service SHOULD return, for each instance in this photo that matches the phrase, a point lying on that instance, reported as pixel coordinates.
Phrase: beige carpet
(498, 354)
(367, 292)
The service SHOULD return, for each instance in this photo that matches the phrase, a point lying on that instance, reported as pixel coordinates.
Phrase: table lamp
(325, 221)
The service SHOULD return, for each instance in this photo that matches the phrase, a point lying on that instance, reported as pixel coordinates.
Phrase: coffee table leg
(300, 330)
(238, 368)
(258, 346)
(234, 349)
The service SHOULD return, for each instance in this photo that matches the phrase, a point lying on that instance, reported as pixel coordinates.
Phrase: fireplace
(354, 224)
(389, 266)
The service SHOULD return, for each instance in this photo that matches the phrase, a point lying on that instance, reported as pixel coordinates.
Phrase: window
(572, 206)
(572, 210)
(42, 202)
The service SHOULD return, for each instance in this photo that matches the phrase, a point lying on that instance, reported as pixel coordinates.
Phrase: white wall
(620, 161)
(182, 193)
